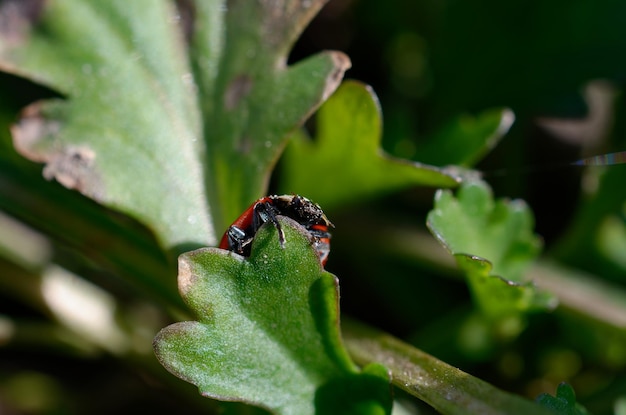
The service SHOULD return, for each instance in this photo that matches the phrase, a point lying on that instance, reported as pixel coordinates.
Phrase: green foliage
(465, 140)
(420, 374)
(348, 140)
(187, 119)
(268, 331)
(168, 117)
(564, 402)
(493, 244)
(93, 134)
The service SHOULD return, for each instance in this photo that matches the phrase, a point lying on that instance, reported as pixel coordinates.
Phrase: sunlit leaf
(346, 147)
(267, 331)
(493, 243)
(173, 115)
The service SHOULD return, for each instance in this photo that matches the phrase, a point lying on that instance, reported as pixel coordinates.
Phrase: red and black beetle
(238, 237)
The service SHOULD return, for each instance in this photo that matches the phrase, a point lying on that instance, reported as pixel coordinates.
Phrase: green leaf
(268, 331)
(174, 116)
(465, 140)
(564, 402)
(347, 147)
(493, 243)
(251, 100)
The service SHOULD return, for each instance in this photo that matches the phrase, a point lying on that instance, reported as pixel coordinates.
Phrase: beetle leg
(236, 238)
(264, 212)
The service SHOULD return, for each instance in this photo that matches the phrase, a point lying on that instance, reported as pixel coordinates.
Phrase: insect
(239, 236)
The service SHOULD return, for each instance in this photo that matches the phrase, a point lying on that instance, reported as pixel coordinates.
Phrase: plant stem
(446, 388)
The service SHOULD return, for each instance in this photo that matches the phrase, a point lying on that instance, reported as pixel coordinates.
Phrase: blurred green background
(559, 65)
